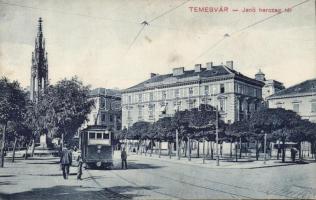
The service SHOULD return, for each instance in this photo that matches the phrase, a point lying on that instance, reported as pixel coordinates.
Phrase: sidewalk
(223, 163)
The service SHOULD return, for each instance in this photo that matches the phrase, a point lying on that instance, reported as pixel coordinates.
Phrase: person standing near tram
(124, 158)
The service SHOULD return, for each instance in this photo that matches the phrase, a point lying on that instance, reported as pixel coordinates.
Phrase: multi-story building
(235, 95)
(300, 98)
(270, 86)
(107, 110)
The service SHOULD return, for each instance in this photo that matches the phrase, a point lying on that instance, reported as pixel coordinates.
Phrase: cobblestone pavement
(155, 179)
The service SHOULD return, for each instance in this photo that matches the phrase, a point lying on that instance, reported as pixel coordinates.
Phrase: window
(222, 104)
(190, 91)
(164, 95)
(99, 135)
(91, 135)
(129, 99)
(279, 105)
(151, 112)
(151, 96)
(111, 118)
(140, 113)
(313, 106)
(102, 102)
(106, 136)
(176, 92)
(206, 90)
(140, 98)
(222, 88)
(103, 117)
(296, 107)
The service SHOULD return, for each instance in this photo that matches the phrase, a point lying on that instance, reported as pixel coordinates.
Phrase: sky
(105, 44)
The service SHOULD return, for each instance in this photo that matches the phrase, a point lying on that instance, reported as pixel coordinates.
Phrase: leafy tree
(276, 121)
(68, 105)
(236, 131)
(12, 105)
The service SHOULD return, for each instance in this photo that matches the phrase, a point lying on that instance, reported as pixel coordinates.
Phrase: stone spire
(39, 70)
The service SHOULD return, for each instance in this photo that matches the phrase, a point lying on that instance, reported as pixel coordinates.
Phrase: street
(154, 178)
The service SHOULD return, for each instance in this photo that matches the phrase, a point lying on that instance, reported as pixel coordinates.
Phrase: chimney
(178, 71)
(209, 65)
(197, 67)
(153, 75)
(230, 64)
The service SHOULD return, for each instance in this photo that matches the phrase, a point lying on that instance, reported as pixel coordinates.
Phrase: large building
(107, 110)
(300, 98)
(235, 95)
(270, 86)
(39, 69)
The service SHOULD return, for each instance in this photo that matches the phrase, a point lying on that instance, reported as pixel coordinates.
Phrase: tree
(139, 131)
(236, 131)
(68, 105)
(276, 121)
(12, 105)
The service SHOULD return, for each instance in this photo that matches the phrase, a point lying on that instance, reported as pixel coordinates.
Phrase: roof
(106, 92)
(190, 75)
(308, 86)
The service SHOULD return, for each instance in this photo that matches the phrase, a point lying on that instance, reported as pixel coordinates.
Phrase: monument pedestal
(43, 141)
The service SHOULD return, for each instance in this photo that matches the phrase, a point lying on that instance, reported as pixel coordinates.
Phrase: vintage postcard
(157, 99)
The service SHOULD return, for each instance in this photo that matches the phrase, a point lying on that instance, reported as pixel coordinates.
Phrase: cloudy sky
(96, 40)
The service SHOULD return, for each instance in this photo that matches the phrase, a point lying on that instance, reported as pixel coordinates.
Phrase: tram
(96, 144)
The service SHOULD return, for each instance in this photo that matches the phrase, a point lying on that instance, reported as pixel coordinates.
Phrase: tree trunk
(14, 146)
(3, 145)
(159, 149)
(170, 149)
(151, 147)
(283, 150)
(236, 151)
(300, 150)
(212, 150)
(190, 146)
(257, 150)
(279, 150)
(185, 148)
(240, 145)
(33, 147)
(203, 147)
(207, 148)
(198, 149)
(62, 140)
(231, 149)
(26, 150)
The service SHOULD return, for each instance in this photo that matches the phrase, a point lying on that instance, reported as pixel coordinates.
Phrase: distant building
(107, 110)
(39, 69)
(235, 95)
(300, 98)
(270, 86)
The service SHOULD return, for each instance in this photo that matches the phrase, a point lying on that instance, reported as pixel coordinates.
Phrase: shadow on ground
(76, 192)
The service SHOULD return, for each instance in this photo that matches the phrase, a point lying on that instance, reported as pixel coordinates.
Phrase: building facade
(234, 94)
(107, 110)
(300, 98)
(39, 69)
(270, 86)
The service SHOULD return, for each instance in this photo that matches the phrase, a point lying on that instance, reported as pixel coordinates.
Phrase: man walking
(65, 161)
(79, 169)
(124, 158)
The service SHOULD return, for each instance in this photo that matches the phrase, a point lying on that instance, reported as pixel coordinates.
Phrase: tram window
(91, 135)
(99, 135)
(105, 136)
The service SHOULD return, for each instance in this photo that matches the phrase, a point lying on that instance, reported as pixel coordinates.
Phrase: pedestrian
(65, 161)
(79, 169)
(124, 158)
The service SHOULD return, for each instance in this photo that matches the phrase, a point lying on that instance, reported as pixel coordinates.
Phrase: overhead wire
(145, 23)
